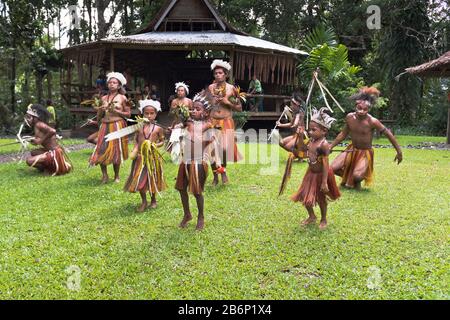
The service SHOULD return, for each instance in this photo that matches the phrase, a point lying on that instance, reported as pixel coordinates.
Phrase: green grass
(16, 147)
(413, 140)
(252, 247)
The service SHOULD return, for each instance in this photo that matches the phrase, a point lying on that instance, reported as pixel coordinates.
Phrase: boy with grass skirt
(355, 164)
(319, 183)
(196, 140)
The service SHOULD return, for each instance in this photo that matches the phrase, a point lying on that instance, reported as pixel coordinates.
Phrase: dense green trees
(411, 32)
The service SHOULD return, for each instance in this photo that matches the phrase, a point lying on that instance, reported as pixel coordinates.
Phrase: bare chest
(357, 127)
(151, 133)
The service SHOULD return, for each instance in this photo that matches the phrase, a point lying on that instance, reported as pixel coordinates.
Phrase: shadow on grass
(94, 181)
(363, 190)
(210, 189)
(128, 209)
(27, 172)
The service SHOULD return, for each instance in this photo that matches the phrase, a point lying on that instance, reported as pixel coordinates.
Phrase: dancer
(113, 110)
(51, 158)
(318, 183)
(193, 169)
(355, 164)
(181, 99)
(147, 173)
(297, 120)
(226, 100)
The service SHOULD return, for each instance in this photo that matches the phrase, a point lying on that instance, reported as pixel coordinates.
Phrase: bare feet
(215, 180)
(308, 221)
(185, 221)
(117, 180)
(224, 178)
(142, 207)
(105, 179)
(200, 225)
(323, 225)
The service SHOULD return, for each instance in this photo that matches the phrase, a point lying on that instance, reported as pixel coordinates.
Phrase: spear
(276, 124)
(87, 122)
(9, 143)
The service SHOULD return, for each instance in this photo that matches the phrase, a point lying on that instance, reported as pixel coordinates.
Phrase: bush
(240, 119)
(64, 118)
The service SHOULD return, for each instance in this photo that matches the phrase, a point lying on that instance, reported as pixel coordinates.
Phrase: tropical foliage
(411, 33)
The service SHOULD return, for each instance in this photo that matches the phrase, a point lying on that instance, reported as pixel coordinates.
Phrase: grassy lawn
(16, 147)
(386, 242)
(413, 140)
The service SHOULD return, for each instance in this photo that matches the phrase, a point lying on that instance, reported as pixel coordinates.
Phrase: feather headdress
(220, 64)
(182, 85)
(38, 111)
(322, 118)
(117, 75)
(149, 103)
(205, 98)
(369, 94)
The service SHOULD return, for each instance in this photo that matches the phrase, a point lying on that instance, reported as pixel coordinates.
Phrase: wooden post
(90, 76)
(448, 118)
(231, 75)
(448, 126)
(111, 60)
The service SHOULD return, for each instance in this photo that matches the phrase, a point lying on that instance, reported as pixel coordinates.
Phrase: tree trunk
(101, 6)
(125, 19)
(39, 87)
(49, 85)
(89, 10)
(59, 28)
(26, 86)
(448, 126)
(13, 77)
(104, 26)
(132, 26)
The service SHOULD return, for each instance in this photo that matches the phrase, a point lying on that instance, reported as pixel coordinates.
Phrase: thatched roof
(170, 4)
(153, 39)
(183, 26)
(438, 68)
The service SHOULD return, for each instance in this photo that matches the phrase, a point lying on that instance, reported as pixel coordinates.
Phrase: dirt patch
(5, 158)
(421, 145)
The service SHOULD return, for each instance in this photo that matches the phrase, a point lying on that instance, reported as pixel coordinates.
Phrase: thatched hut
(438, 68)
(179, 44)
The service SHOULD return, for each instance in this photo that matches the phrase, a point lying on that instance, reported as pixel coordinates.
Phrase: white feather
(123, 132)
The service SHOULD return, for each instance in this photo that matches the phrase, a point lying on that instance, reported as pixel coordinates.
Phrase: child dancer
(51, 158)
(319, 182)
(193, 169)
(297, 116)
(147, 174)
(113, 110)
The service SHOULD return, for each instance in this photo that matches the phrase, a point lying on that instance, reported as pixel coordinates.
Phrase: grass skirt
(147, 172)
(353, 157)
(112, 152)
(56, 162)
(309, 192)
(192, 177)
